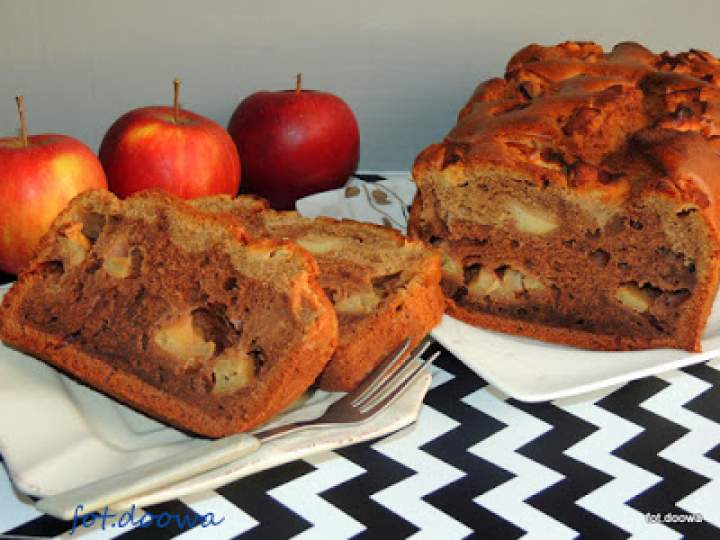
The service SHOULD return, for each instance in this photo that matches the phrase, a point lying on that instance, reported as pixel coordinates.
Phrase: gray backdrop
(405, 67)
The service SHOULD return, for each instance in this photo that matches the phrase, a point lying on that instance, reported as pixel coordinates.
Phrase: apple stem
(176, 100)
(298, 83)
(23, 126)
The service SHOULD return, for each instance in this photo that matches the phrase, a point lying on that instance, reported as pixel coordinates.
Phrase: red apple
(38, 177)
(172, 149)
(293, 143)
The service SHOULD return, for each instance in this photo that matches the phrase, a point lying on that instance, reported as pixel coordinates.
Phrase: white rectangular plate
(532, 370)
(526, 369)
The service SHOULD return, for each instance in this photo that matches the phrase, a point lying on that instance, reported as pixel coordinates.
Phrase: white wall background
(404, 66)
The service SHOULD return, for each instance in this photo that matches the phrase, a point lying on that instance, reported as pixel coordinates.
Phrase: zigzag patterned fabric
(477, 462)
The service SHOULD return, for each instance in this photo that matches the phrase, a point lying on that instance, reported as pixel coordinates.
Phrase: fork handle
(153, 475)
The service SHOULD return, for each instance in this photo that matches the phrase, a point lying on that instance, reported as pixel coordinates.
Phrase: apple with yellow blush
(172, 149)
(39, 175)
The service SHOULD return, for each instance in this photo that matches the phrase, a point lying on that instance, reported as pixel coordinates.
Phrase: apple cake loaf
(173, 311)
(383, 286)
(575, 200)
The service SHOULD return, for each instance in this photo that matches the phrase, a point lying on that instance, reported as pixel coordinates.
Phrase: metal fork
(379, 389)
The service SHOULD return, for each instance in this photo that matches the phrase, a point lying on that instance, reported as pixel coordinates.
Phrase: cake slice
(576, 199)
(383, 286)
(173, 311)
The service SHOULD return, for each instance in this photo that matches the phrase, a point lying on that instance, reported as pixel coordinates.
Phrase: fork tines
(392, 376)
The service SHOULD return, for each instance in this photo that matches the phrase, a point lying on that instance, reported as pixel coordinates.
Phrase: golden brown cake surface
(576, 198)
(173, 311)
(384, 287)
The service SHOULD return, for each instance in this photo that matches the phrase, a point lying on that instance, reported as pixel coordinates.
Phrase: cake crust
(591, 144)
(562, 111)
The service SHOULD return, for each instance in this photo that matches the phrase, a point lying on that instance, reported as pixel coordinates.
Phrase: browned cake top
(617, 124)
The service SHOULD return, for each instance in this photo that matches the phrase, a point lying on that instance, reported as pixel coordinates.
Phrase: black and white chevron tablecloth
(478, 463)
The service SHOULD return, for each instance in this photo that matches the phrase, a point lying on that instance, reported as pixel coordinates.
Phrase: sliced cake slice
(384, 287)
(173, 311)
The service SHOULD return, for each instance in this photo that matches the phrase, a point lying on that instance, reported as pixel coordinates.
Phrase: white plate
(526, 369)
(56, 434)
